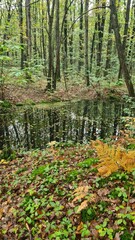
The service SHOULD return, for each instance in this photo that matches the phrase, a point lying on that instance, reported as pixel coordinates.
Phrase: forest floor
(35, 92)
(62, 193)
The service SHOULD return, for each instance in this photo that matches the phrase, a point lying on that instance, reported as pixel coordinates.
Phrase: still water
(34, 127)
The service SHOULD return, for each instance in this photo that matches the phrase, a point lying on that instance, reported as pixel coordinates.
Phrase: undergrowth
(74, 192)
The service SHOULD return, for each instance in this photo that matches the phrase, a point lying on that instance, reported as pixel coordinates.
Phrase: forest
(77, 40)
(67, 119)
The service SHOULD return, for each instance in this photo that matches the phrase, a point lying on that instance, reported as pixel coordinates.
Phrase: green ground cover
(57, 193)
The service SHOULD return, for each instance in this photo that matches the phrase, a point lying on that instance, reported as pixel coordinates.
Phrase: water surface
(34, 127)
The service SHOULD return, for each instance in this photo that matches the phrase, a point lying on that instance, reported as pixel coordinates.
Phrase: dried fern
(112, 158)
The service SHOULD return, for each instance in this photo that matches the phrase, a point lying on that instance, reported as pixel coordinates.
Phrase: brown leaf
(133, 206)
(80, 226)
(80, 192)
(132, 200)
(81, 189)
(117, 236)
(95, 233)
(93, 198)
(103, 192)
(1, 212)
(80, 196)
(83, 205)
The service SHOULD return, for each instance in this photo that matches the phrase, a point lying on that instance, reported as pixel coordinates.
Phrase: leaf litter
(57, 193)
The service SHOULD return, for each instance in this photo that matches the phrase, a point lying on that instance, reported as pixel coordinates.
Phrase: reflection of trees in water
(117, 114)
(53, 117)
(26, 130)
(80, 122)
(5, 141)
(1, 132)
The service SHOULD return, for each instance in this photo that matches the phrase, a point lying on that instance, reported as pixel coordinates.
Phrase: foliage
(21, 41)
(112, 158)
(37, 201)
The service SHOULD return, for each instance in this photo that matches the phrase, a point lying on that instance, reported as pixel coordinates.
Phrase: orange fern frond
(113, 158)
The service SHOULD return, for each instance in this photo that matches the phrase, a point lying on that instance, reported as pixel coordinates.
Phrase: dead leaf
(95, 233)
(103, 192)
(80, 192)
(80, 226)
(133, 206)
(117, 236)
(1, 212)
(83, 205)
(93, 198)
(82, 195)
(82, 189)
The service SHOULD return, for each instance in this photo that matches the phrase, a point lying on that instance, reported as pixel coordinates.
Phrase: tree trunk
(35, 53)
(131, 51)
(86, 44)
(28, 53)
(20, 8)
(43, 42)
(50, 11)
(125, 32)
(28, 29)
(72, 17)
(65, 51)
(100, 25)
(120, 50)
(81, 40)
(109, 47)
(92, 47)
(57, 46)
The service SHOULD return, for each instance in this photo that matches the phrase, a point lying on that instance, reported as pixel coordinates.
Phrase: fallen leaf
(80, 226)
(80, 192)
(117, 236)
(1, 212)
(80, 196)
(103, 192)
(83, 205)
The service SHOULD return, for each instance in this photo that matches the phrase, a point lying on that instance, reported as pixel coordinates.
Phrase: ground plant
(50, 195)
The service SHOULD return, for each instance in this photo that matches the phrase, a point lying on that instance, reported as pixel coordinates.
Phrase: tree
(81, 38)
(86, 43)
(100, 29)
(120, 50)
(50, 12)
(20, 10)
(28, 51)
(125, 31)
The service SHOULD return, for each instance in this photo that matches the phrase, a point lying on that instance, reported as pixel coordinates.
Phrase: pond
(35, 126)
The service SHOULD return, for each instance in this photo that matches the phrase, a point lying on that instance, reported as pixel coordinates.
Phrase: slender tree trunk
(20, 8)
(50, 11)
(109, 47)
(28, 53)
(92, 46)
(35, 13)
(6, 34)
(57, 46)
(86, 44)
(28, 29)
(72, 17)
(131, 51)
(125, 32)
(80, 61)
(101, 25)
(65, 49)
(43, 42)
(120, 50)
